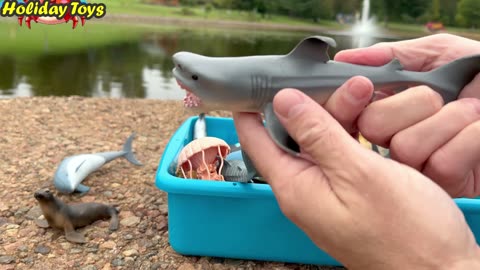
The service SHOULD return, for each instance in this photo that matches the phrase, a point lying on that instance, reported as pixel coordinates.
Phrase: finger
(384, 118)
(420, 54)
(346, 104)
(472, 89)
(450, 165)
(411, 57)
(414, 145)
(269, 160)
(294, 181)
(315, 130)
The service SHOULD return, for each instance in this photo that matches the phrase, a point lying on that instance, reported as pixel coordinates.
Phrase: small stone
(107, 267)
(155, 266)
(108, 245)
(3, 221)
(42, 249)
(186, 266)
(11, 248)
(92, 250)
(130, 253)
(115, 185)
(28, 260)
(128, 237)
(34, 213)
(75, 251)
(12, 226)
(88, 198)
(20, 212)
(66, 245)
(118, 262)
(7, 259)
(130, 221)
(108, 194)
(163, 208)
(89, 267)
(3, 207)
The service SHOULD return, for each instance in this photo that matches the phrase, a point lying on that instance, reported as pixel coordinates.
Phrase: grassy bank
(23, 42)
(134, 7)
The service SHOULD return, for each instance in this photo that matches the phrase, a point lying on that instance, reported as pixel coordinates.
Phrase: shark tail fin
(127, 148)
(450, 79)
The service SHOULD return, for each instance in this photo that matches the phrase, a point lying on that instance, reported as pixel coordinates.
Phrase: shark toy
(249, 83)
(74, 169)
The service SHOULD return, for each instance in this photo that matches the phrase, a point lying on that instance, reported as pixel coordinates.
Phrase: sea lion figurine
(66, 217)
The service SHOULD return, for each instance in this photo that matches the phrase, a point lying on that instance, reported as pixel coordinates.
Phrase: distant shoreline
(232, 24)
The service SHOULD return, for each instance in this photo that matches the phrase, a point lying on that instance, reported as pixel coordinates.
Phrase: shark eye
(194, 77)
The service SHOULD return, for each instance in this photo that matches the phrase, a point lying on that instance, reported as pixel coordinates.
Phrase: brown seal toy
(66, 217)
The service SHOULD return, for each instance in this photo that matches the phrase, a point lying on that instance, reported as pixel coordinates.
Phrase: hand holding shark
(249, 84)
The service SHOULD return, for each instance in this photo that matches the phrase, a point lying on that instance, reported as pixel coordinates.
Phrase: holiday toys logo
(51, 11)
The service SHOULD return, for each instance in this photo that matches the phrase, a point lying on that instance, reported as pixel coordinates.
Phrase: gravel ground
(37, 133)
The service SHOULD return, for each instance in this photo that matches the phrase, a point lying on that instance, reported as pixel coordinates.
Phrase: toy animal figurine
(60, 215)
(74, 169)
(200, 128)
(249, 83)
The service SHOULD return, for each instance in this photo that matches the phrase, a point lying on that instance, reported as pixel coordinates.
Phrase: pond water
(141, 67)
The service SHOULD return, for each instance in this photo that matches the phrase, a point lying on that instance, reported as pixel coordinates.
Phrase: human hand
(421, 54)
(441, 142)
(366, 211)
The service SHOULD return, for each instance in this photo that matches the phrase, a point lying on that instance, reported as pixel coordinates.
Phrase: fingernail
(289, 103)
(358, 91)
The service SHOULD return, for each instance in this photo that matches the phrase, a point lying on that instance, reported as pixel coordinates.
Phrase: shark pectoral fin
(278, 133)
(82, 189)
(313, 48)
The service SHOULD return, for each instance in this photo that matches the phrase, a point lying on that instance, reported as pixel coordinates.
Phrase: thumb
(318, 134)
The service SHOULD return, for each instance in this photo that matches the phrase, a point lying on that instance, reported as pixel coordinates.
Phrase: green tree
(435, 10)
(469, 11)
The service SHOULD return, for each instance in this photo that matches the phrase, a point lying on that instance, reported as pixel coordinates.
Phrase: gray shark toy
(249, 83)
(74, 169)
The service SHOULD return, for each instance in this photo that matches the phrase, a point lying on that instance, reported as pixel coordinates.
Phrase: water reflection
(140, 68)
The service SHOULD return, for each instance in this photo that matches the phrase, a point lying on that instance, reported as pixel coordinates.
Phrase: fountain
(364, 29)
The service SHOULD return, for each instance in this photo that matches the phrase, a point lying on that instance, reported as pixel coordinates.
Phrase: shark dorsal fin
(394, 65)
(313, 48)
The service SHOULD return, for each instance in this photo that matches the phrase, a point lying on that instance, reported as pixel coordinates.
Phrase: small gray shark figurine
(74, 169)
(249, 83)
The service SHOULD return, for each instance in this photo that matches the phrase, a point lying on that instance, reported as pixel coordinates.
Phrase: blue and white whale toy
(74, 169)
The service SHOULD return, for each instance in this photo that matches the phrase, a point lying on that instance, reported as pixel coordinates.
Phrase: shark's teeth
(191, 100)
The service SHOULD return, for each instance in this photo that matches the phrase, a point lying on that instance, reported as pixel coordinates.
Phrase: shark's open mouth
(190, 100)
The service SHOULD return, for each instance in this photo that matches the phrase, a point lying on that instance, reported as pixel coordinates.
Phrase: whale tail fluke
(129, 155)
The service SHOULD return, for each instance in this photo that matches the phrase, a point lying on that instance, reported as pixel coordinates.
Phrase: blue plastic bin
(238, 220)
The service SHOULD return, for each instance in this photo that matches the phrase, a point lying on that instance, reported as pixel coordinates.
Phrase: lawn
(135, 7)
(19, 41)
